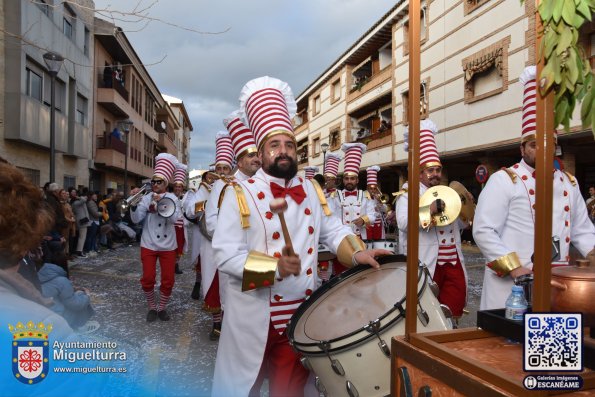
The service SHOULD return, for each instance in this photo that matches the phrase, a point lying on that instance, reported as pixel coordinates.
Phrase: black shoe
(163, 316)
(215, 332)
(178, 270)
(80, 254)
(151, 316)
(196, 291)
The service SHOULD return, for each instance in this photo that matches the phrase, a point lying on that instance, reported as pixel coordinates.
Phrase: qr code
(553, 342)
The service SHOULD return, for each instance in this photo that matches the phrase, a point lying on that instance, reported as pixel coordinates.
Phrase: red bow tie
(297, 193)
(352, 193)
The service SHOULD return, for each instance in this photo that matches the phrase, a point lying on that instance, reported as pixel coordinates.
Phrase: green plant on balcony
(359, 83)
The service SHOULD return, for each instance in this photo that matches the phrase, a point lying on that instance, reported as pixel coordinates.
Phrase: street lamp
(324, 148)
(126, 125)
(54, 62)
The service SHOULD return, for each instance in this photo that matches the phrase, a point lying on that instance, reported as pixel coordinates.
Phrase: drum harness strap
(321, 198)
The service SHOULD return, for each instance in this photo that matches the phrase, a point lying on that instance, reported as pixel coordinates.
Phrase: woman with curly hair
(25, 218)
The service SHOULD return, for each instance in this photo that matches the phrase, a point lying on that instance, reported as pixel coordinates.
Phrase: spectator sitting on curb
(74, 304)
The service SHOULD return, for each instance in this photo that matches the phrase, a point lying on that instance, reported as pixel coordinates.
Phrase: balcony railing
(114, 84)
(109, 142)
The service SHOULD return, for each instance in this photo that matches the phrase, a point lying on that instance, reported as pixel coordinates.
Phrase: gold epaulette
(510, 173)
(228, 182)
(242, 205)
(367, 195)
(321, 198)
(570, 177)
(333, 194)
(398, 194)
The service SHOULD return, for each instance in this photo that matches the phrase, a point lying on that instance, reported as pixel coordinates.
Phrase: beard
(286, 171)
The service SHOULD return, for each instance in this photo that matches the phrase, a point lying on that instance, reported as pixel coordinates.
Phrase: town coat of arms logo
(30, 351)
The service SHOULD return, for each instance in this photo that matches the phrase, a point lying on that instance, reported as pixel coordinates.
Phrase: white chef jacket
(505, 222)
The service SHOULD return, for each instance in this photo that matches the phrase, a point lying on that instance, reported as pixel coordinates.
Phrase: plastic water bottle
(516, 304)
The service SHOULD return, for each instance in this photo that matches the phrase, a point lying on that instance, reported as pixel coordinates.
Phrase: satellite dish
(163, 125)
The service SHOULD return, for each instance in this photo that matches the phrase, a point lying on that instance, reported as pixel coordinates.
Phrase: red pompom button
(250, 180)
(276, 236)
(277, 255)
(307, 211)
(309, 271)
(310, 250)
(567, 208)
(260, 195)
(310, 230)
(268, 215)
(567, 239)
(525, 177)
(565, 193)
(277, 297)
(531, 191)
(308, 292)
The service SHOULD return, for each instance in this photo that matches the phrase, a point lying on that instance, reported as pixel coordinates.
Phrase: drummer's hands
(358, 222)
(520, 271)
(288, 264)
(366, 257)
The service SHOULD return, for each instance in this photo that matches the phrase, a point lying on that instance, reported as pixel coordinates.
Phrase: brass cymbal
(450, 213)
(467, 201)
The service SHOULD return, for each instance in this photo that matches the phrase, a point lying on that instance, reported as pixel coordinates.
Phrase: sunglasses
(156, 182)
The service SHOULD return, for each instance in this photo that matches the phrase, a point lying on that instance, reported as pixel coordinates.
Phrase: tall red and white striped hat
(267, 106)
(310, 171)
(180, 174)
(241, 136)
(223, 149)
(165, 165)
(331, 168)
(428, 152)
(372, 175)
(528, 80)
(353, 157)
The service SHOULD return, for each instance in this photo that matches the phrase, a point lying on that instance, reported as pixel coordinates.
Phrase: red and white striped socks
(163, 299)
(150, 295)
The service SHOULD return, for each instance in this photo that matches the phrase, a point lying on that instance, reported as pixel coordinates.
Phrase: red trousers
(281, 364)
(374, 231)
(167, 261)
(180, 240)
(212, 298)
(453, 288)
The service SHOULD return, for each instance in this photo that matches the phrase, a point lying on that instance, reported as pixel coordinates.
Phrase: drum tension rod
(374, 328)
(335, 364)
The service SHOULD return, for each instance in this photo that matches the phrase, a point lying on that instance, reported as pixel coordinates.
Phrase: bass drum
(344, 329)
(388, 245)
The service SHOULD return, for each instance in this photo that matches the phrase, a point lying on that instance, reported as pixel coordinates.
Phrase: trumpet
(133, 200)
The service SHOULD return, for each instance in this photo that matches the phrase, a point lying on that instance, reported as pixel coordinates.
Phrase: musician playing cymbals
(439, 246)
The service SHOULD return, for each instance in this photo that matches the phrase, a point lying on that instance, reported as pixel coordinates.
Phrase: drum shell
(389, 245)
(365, 365)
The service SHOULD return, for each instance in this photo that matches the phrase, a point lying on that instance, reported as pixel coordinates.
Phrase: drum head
(350, 303)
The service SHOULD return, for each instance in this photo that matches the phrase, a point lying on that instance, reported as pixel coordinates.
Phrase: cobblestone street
(177, 353)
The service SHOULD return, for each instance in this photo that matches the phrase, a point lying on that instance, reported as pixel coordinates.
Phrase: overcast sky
(292, 40)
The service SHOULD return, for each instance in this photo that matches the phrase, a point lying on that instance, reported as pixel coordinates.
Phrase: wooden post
(413, 167)
(544, 163)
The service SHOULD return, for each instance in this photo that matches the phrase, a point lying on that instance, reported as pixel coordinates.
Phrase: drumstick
(278, 206)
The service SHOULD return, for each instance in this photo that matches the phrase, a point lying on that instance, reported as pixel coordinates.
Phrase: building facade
(472, 54)
(31, 29)
(133, 122)
(184, 129)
